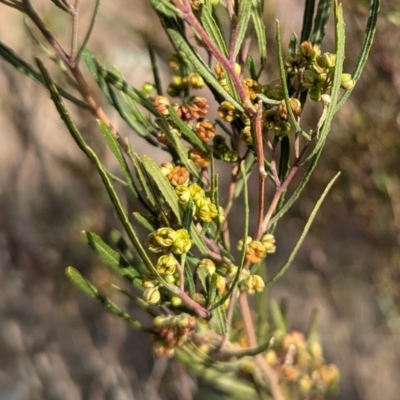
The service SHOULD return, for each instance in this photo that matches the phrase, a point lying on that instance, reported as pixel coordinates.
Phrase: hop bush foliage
(191, 274)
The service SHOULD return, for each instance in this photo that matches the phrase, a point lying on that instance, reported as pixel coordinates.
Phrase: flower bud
(207, 265)
(219, 70)
(240, 243)
(176, 301)
(177, 60)
(147, 88)
(198, 107)
(179, 176)
(346, 82)
(200, 158)
(327, 60)
(226, 111)
(315, 94)
(205, 130)
(309, 50)
(162, 103)
(183, 192)
(230, 156)
(253, 284)
(182, 242)
(166, 168)
(166, 265)
(268, 242)
(206, 210)
(196, 81)
(152, 295)
(161, 239)
(221, 284)
(255, 252)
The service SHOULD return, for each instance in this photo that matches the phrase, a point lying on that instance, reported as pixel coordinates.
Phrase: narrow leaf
(178, 146)
(321, 21)
(335, 91)
(282, 211)
(163, 185)
(20, 65)
(186, 131)
(283, 81)
(116, 149)
(212, 29)
(140, 172)
(307, 20)
(155, 69)
(75, 276)
(258, 20)
(235, 281)
(245, 7)
(145, 222)
(310, 220)
(366, 47)
(199, 64)
(111, 257)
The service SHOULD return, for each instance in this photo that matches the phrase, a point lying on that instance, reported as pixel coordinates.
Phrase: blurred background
(56, 344)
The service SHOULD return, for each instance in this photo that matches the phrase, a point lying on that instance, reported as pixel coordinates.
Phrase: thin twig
(229, 7)
(190, 18)
(267, 370)
(72, 66)
(74, 31)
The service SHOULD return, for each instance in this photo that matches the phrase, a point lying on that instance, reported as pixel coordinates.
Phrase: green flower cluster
(310, 69)
(204, 209)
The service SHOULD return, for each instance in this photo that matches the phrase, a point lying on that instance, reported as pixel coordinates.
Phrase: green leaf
(189, 282)
(366, 47)
(252, 68)
(155, 69)
(277, 316)
(293, 45)
(307, 20)
(140, 172)
(258, 20)
(178, 146)
(126, 88)
(335, 91)
(282, 74)
(122, 215)
(62, 110)
(111, 257)
(163, 185)
(165, 8)
(20, 65)
(75, 276)
(131, 119)
(282, 211)
(310, 220)
(284, 161)
(188, 215)
(235, 281)
(89, 31)
(212, 29)
(218, 320)
(321, 21)
(243, 18)
(267, 100)
(62, 6)
(93, 67)
(198, 63)
(145, 222)
(187, 132)
(116, 149)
